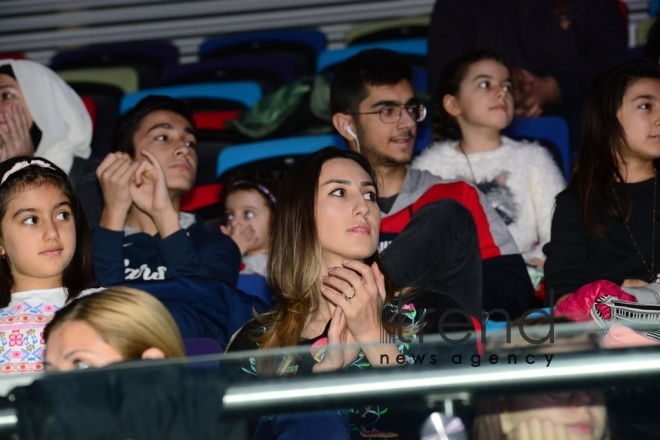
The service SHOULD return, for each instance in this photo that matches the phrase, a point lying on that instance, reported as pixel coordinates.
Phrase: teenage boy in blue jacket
(143, 235)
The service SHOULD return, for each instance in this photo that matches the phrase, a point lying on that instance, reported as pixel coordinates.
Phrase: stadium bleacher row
(233, 73)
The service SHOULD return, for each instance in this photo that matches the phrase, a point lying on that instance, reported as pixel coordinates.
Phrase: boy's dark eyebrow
(165, 125)
(168, 126)
(59, 205)
(386, 103)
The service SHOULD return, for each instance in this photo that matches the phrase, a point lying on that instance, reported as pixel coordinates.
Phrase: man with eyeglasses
(439, 235)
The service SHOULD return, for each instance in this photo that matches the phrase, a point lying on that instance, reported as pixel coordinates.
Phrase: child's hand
(15, 137)
(633, 283)
(243, 235)
(114, 174)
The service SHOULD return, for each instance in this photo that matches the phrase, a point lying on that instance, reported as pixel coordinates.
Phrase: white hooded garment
(58, 111)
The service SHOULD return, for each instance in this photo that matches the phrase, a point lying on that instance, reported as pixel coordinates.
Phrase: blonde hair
(129, 320)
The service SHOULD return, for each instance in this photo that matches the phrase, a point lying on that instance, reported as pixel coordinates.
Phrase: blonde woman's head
(116, 324)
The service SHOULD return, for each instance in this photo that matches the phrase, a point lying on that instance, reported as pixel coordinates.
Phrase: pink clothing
(22, 325)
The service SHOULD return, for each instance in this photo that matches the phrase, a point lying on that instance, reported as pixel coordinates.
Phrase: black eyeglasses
(391, 114)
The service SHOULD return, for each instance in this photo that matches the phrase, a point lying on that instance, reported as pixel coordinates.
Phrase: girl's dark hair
(444, 125)
(602, 141)
(652, 47)
(79, 274)
(266, 188)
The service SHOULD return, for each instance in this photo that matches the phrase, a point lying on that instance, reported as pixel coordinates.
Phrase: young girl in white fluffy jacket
(520, 179)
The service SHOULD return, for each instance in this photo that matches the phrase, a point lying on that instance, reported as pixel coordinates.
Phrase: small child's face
(484, 99)
(249, 208)
(38, 237)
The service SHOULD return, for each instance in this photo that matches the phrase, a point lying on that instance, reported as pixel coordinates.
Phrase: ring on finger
(352, 296)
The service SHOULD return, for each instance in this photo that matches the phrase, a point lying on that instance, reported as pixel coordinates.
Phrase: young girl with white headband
(45, 256)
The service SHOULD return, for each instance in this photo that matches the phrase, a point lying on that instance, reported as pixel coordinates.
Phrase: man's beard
(379, 159)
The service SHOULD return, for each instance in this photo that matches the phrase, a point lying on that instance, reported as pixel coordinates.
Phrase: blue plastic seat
(549, 128)
(330, 58)
(237, 155)
(254, 285)
(244, 92)
(423, 138)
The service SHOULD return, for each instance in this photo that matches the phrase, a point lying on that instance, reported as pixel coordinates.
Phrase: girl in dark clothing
(605, 225)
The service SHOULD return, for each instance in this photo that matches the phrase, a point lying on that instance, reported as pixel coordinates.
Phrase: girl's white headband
(24, 164)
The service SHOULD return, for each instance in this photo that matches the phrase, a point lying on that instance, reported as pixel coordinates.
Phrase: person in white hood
(41, 115)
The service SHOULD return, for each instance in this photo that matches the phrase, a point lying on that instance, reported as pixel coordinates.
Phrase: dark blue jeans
(439, 251)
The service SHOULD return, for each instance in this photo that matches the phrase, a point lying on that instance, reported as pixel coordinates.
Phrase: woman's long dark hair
(602, 142)
(294, 261)
(79, 274)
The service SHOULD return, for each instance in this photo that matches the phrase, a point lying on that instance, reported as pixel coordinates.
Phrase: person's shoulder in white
(56, 296)
(537, 161)
(433, 157)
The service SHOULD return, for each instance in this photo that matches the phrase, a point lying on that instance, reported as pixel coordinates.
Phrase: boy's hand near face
(115, 173)
(149, 192)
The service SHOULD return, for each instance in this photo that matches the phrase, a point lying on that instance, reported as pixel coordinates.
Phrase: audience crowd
(359, 247)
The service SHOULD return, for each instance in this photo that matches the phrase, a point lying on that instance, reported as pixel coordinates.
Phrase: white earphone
(352, 133)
